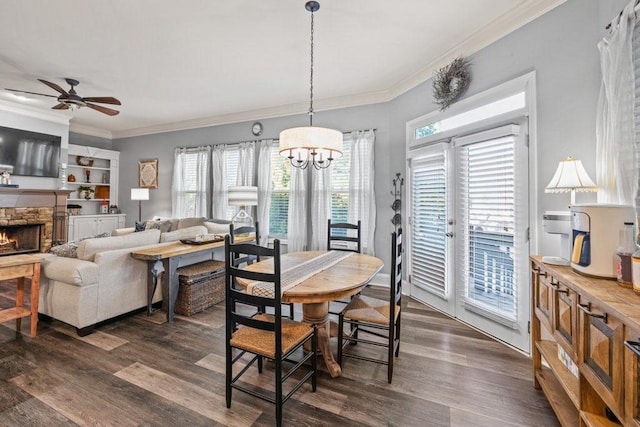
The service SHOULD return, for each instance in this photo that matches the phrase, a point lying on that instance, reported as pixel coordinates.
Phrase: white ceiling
(192, 63)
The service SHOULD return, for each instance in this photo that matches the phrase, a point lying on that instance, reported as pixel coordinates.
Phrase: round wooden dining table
(342, 280)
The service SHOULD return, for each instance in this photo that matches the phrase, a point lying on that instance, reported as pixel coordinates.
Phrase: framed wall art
(148, 173)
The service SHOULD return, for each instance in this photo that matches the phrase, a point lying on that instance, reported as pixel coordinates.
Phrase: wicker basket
(201, 286)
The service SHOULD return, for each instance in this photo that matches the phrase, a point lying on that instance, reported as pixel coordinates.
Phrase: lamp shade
(139, 194)
(243, 196)
(299, 142)
(570, 176)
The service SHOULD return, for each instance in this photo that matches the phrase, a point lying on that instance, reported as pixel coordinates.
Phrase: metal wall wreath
(450, 82)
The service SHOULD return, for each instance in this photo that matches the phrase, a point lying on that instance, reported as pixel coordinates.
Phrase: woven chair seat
(264, 342)
(366, 309)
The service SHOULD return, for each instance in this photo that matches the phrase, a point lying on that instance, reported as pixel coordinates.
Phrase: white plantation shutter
(491, 223)
(429, 222)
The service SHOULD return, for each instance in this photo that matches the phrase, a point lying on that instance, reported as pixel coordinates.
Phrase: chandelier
(311, 144)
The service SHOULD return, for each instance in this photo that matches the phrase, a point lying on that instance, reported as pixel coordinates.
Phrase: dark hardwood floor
(138, 371)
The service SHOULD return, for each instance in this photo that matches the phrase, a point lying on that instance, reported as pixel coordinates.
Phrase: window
(493, 109)
(340, 169)
(281, 178)
(232, 157)
(190, 182)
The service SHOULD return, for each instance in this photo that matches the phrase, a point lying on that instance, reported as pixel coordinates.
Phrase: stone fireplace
(42, 209)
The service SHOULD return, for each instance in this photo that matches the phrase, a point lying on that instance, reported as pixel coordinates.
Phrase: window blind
(340, 185)
(429, 222)
(280, 181)
(487, 224)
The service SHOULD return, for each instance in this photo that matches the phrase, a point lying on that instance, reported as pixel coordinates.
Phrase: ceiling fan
(72, 100)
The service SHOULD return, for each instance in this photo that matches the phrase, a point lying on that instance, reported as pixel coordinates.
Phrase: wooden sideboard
(589, 320)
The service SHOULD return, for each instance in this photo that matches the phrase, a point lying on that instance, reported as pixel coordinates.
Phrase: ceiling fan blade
(103, 100)
(31, 93)
(60, 106)
(102, 109)
(54, 87)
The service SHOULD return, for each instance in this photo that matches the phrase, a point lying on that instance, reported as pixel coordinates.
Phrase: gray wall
(560, 46)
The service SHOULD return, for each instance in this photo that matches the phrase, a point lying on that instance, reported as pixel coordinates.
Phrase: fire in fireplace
(19, 239)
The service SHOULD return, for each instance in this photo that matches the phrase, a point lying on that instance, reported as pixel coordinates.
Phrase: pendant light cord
(311, 78)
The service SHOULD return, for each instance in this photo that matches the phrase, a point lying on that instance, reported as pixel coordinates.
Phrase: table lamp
(242, 197)
(139, 194)
(570, 176)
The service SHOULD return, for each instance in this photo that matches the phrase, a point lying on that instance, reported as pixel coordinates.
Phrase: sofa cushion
(190, 222)
(87, 249)
(216, 227)
(73, 271)
(183, 233)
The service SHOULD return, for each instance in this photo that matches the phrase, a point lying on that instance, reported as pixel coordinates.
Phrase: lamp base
(242, 219)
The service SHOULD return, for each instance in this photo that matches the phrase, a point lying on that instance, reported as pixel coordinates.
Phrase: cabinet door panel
(632, 371)
(542, 296)
(601, 353)
(565, 319)
(107, 224)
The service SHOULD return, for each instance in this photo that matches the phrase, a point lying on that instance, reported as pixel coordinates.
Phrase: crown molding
(91, 131)
(34, 112)
(259, 114)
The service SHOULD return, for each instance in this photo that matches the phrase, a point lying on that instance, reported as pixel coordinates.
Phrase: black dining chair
(261, 335)
(340, 238)
(374, 317)
(247, 260)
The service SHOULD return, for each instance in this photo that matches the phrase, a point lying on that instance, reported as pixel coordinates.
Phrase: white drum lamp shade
(139, 194)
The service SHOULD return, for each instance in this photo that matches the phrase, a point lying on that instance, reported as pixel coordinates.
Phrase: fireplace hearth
(20, 239)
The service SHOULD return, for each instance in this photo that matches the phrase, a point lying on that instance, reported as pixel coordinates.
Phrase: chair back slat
(234, 294)
(239, 260)
(338, 236)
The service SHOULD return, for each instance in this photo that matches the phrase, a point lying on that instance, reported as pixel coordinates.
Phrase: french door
(468, 249)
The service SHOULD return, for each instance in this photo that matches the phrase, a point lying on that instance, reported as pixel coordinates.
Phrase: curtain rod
(255, 140)
(636, 9)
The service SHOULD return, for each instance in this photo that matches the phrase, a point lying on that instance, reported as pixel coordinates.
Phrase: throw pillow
(140, 226)
(70, 249)
(67, 250)
(190, 222)
(162, 225)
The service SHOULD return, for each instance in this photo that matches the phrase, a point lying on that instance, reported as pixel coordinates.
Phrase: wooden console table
(19, 267)
(596, 324)
(165, 259)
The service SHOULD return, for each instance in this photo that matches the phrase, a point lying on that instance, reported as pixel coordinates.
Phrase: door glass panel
(429, 216)
(487, 207)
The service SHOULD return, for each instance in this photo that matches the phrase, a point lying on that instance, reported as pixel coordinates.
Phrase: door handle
(449, 234)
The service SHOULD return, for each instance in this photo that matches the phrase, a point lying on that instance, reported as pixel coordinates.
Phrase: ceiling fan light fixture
(314, 145)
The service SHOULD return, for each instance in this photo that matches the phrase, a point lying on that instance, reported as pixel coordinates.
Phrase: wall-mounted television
(29, 153)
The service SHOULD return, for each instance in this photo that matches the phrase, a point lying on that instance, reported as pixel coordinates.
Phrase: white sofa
(104, 281)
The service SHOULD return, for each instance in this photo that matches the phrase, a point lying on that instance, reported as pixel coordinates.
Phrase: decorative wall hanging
(148, 173)
(450, 82)
(397, 202)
